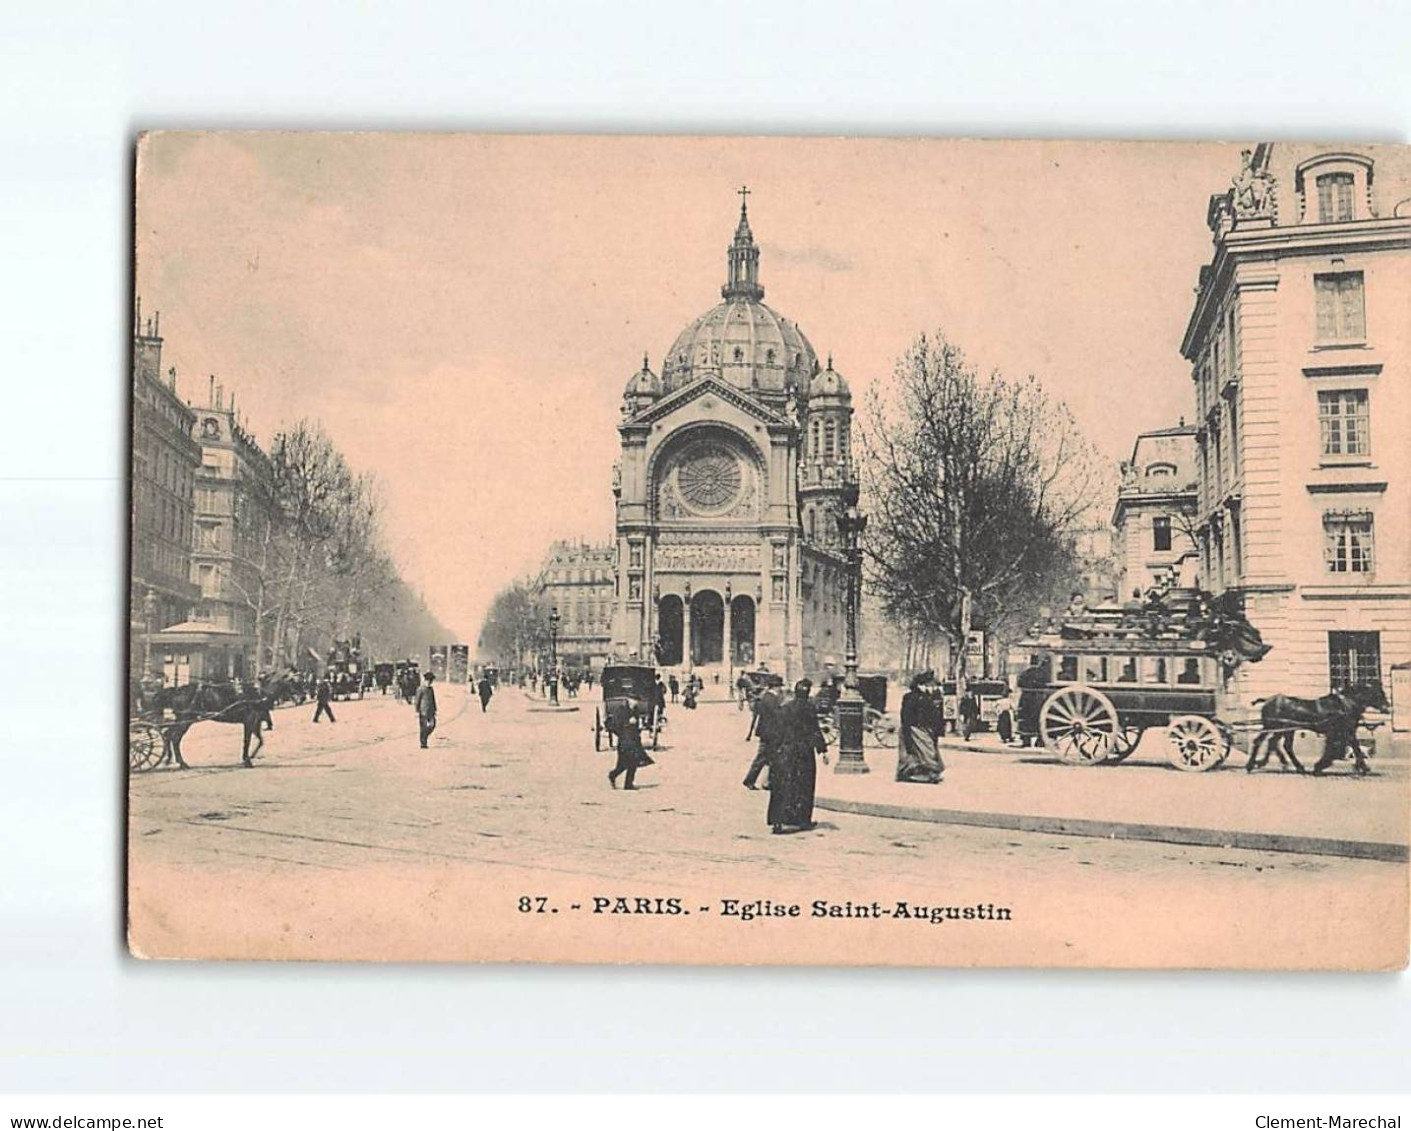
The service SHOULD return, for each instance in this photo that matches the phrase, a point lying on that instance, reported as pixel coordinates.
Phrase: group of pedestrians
(789, 738)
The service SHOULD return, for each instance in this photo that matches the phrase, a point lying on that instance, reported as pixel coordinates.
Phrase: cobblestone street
(346, 839)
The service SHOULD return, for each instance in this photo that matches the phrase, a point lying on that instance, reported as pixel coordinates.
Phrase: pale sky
(462, 312)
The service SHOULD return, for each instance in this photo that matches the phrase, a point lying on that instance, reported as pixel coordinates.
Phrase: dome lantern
(743, 279)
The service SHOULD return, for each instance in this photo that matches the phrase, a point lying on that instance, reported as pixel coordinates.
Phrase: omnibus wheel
(1080, 724)
(1196, 743)
(597, 729)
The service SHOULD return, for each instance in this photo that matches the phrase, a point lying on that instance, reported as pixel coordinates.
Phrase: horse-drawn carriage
(1102, 694)
(879, 727)
(161, 716)
(627, 687)
(345, 669)
(1107, 676)
(383, 676)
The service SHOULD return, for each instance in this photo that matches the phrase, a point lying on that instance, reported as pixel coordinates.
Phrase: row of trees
(977, 486)
(515, 628)
(316, 567)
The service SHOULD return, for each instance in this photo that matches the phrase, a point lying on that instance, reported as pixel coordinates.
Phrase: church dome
(742, 341)
(746, 344)
(643, 383)
(829, 383)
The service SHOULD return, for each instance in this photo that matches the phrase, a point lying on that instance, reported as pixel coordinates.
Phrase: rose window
(709, 478)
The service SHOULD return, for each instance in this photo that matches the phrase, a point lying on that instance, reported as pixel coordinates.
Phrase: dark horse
(1334, 716)
(226, 702)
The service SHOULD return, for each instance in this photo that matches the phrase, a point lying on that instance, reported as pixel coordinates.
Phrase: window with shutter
(1335, 198)
(1340, 307)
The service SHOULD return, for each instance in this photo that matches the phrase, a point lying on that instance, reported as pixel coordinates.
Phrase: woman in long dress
(918, 756)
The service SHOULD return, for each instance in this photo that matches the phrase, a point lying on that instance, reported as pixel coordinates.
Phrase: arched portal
(742, 631)
(669, 629)
(707, 628)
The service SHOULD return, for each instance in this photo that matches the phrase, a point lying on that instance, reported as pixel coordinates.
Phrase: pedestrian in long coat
(485, 690)
(1033, 684)
(918, 755)
(793, 772)
(766, 729)
(426, 708)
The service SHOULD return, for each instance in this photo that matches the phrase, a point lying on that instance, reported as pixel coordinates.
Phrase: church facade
(731, 477)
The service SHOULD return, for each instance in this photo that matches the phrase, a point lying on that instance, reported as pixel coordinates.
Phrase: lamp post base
(851, 712)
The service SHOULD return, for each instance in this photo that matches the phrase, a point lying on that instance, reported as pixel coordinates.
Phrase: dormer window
(1335, 198)
(1334, 188)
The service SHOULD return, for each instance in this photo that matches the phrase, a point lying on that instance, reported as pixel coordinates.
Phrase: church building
(733, 466)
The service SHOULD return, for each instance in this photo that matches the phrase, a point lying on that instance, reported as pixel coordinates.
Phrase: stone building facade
(578, 579)
(1300, 348)
(231, 540)
(165, 460)
(1155, 513)
(731, 476)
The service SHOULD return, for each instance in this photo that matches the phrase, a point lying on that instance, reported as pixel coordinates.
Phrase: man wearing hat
(764, 727)
(426, 707)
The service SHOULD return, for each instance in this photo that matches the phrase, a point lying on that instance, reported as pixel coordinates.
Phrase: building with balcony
(578, 579)
(165, 459)
(230, 545)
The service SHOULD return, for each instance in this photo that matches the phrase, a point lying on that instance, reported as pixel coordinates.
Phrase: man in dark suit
(324, 695)
(426, 708)
(766, 712)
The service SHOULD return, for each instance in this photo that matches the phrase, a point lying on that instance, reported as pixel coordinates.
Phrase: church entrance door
(707, 628)
(742, 631)
(669, 629)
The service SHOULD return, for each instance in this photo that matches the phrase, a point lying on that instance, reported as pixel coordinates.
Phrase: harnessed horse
(1334, 716)
(224, 702)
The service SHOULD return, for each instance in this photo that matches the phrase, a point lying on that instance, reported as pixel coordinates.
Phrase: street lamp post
(149, 615)
(851, 706)
(554, 655)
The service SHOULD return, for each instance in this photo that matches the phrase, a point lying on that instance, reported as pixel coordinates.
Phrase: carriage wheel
(1080, 724)
(144, 746)
(830, 731)
(1123, 743)
(1196, 743)
(597, 729)
(881, 729)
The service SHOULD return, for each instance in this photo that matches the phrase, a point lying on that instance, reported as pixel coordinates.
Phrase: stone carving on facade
(1253, 191)
(703, 558)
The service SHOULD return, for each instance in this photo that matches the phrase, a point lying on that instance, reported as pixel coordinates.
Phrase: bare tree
(515, 627)
(976, 486)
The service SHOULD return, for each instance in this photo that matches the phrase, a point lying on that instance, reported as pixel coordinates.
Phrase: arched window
(809, 524)
(830, 440)
(814, 446)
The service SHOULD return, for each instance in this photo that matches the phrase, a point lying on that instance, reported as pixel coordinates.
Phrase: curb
(1126, 830)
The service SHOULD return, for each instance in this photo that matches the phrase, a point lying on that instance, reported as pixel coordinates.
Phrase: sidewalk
(1145, 799)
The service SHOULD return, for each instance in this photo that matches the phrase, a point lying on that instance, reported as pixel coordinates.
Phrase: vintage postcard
(768, 550)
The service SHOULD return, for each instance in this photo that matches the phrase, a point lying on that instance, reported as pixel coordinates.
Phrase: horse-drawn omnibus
(1102, 694)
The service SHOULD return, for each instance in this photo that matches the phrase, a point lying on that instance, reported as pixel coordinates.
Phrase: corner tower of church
(732, 468)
